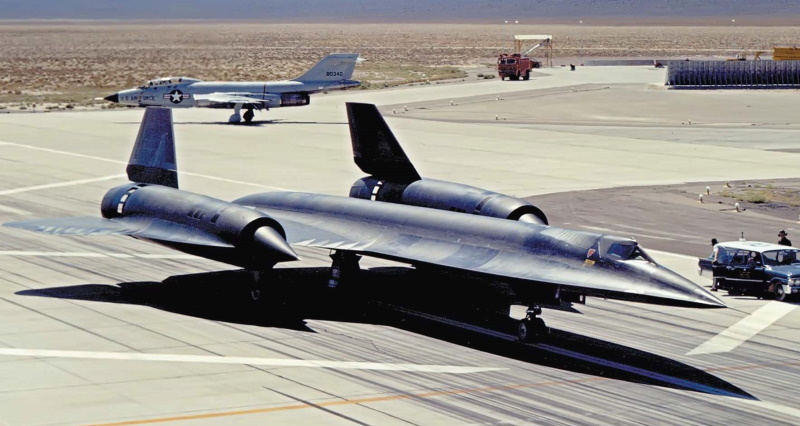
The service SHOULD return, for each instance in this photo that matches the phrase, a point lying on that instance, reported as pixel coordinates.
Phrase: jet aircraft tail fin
(375, 149)
(153, 156)
(334, 67)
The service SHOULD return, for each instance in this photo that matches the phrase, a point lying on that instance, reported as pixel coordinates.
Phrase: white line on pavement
(275, 362)
(108, 160)
(745, 329)
(783, 409)
(61, 184)
(91, 254)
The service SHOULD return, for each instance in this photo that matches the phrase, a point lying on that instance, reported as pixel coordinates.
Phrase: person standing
(784, 241)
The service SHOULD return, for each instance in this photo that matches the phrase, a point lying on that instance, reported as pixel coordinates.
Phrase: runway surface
(109, 330)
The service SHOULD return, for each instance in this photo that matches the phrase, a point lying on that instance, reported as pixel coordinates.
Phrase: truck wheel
(527, 76)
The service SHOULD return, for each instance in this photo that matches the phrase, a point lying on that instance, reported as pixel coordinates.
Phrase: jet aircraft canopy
(166, 81)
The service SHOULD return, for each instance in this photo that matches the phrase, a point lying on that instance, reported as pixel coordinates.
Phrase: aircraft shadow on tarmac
(254, 123)
(225, 296)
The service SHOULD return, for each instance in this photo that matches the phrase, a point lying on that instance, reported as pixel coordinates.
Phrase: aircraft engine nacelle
(240, 226)
(449, 196)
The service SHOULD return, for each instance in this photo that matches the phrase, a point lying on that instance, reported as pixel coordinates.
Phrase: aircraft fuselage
(185, 95)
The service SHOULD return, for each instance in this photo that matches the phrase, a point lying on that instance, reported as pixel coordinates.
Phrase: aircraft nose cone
(113, 98)
(680, 288)
(278, 248)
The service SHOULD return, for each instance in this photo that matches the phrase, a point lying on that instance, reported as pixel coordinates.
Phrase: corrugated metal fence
(733, 74)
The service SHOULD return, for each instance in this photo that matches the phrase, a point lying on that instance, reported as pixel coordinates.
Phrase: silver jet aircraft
(331, 73)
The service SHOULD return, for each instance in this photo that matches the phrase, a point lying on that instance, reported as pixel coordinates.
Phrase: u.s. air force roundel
(176, 96)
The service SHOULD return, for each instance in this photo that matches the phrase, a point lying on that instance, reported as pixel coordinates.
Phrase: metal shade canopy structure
(545, 41)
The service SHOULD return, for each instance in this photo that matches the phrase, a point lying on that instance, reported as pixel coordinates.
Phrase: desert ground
(66, 64)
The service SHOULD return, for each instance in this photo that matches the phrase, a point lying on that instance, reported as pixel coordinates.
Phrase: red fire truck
(518, 64)
(515, 66)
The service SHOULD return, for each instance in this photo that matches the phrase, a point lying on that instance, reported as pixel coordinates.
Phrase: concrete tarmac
(110, 330)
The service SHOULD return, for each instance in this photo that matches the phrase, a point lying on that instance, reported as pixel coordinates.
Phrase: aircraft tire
(248, 116)
(532, 330)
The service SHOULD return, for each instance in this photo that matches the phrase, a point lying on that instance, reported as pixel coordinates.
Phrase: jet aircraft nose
(673, 286)
(113, 98)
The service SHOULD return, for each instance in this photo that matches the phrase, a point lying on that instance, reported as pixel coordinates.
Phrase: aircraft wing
(391, 243)
(233, 98)
(139, 227)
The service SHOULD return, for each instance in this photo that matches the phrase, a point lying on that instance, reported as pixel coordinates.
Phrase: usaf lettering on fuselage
(138, 98)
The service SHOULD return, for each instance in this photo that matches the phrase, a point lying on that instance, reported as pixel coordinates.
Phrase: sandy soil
(70, 63)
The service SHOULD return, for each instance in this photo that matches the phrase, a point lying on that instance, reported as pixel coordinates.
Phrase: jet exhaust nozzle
(272, 240)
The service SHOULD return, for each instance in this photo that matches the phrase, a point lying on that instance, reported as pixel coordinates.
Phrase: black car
(754, 268)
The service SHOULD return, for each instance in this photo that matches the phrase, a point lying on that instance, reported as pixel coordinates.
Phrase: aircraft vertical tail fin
(153, 156)
(375, 149)
(334, 67)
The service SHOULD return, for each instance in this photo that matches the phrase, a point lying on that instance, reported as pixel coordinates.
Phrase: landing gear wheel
(254, 291)
(532, 330)
(248, 115)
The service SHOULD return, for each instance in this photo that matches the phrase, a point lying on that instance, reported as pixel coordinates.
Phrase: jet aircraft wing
(139, 227)
(232, 98)
(407, 246)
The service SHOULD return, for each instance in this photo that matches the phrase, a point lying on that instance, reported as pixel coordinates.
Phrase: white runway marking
(108, 160)
(743, 330)
(274, 362)
(774, 407)
(13, 210)
(61, 184)
(91, 254)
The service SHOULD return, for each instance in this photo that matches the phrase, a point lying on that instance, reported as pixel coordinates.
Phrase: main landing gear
(345, 267)
(248, 115)
(531, 328)
(236, 117)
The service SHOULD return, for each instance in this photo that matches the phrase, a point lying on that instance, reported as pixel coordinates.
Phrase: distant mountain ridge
(385, 10)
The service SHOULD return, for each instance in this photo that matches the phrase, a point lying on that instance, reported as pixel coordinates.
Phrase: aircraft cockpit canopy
(168, 81)
(622, 249)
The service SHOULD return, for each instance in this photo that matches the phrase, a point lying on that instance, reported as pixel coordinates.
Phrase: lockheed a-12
(393, 213)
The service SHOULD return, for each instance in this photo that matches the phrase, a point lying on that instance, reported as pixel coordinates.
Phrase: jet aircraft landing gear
(345, 266)
(236, 117)
(248, 115)
(531, 328)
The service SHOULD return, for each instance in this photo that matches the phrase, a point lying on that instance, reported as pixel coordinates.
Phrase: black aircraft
(392, 214)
